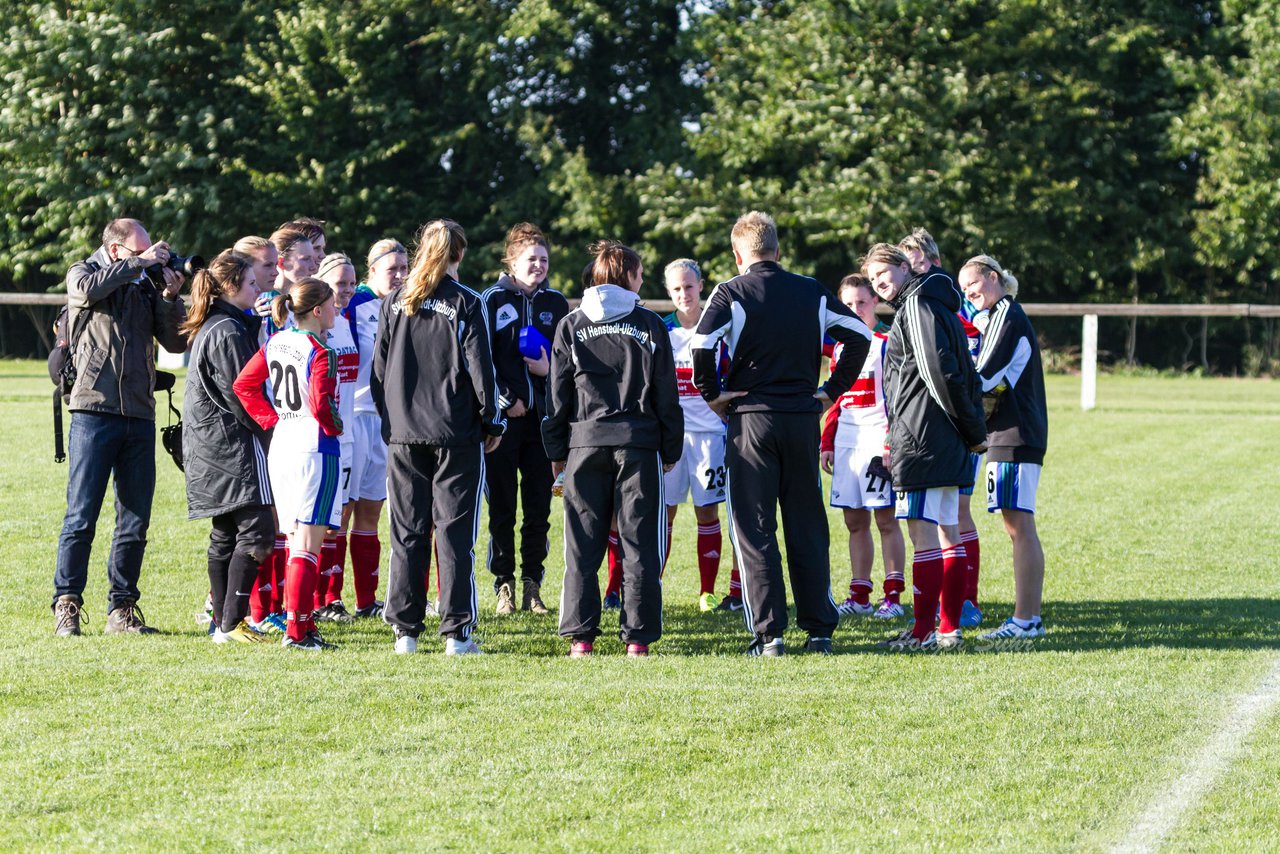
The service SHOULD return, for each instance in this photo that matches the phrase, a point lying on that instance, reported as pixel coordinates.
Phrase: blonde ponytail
(440, 243)
(1007, 280)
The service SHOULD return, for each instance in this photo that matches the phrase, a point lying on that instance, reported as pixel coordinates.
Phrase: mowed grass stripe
(1161, 607)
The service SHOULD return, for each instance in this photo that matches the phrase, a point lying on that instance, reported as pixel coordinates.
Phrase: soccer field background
(1157, 513)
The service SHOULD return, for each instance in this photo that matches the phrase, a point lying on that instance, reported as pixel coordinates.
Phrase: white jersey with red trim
(361, 315)
(297, 365)
(863, 417)
(344, 347)
(698, 416)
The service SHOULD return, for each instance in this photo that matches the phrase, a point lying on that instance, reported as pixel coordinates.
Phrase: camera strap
(59, 450)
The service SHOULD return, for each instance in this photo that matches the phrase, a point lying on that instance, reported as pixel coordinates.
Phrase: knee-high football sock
(894, 584)
(709, 544)
(300, 579)
(366, 551)
(955, 566)
(666, 555)
(260, 595)
(281, 559)
(973, 550)
(735, 582)
(860, 590)
(338, 568)
(327, 551)
(926, 586)
(614, 584)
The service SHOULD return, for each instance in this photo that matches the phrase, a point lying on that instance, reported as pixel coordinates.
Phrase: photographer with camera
(129, 290)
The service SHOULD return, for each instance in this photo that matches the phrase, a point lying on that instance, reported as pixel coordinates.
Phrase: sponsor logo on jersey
(507, 315)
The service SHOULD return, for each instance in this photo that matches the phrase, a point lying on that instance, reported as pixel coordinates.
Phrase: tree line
(1105, 151)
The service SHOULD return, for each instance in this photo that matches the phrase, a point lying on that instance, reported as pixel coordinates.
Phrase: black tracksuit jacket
(760, 315)
(510, 310)
(613, 380)
(1018, 429)
(433, 380)
(931, 388)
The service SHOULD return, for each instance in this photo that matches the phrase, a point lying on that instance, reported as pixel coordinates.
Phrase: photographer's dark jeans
(102, 446)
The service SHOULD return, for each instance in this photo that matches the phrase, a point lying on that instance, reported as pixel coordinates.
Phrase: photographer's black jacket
(433, 380)
(225, 461)
(613, 380)
(930, 387)
(772, 323)
(1018, 429)
(510, 310)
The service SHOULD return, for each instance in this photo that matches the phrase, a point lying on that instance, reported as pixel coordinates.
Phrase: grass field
(1162, 593)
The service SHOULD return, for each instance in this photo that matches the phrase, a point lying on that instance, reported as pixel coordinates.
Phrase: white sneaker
(850, 608)
(406, 645)
(453, 646)
(948, 640)
(889, 611)
(1012, 631)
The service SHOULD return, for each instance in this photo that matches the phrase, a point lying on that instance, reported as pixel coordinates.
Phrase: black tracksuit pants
(432, 485)
(240, 540)
(772, 458)
(520, 455)
(598, 482)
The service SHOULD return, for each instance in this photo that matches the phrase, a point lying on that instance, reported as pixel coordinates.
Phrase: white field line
(1178, 799)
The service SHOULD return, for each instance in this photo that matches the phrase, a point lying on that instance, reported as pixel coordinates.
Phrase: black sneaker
(314, 635)
(766, 647)
(335, 612)
(730, 603)
(822, 646)
(370, 611)
(127, 619)
(66, 616)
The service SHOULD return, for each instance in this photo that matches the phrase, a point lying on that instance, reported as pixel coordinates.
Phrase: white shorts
(700, 471)
(1012, 486)
(344, 480)
(368, 460)
(855, 488)
(940, 505)
(306, 488)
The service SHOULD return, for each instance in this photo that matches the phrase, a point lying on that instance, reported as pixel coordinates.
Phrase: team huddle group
(312, 399)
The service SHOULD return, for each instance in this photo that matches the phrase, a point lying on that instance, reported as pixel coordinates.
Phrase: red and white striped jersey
(698, 417)
(343, 345)
(859, 416)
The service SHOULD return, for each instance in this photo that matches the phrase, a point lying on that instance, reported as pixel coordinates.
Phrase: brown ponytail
(221, 278)
(305, 295)
(614, 263)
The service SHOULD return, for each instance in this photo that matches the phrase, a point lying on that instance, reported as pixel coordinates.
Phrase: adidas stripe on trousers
(430, 485)
(772, 459)
(598, 482)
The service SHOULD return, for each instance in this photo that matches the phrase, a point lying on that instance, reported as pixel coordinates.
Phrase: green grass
(1157, 515)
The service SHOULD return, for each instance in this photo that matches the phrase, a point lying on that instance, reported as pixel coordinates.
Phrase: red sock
(338, 567)
(327, 551)
(973, 549)
(860, 590)
(926, 585)
(300, 581)
(666, 556)
(735, 582)
(709, 544)
(260, 595)
(893, 586)
(281, 559)
(955, 566)
(615, 566)
(366, 551)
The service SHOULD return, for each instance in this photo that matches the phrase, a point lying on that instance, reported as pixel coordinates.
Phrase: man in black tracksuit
(434, 386)
(773, 323)
(614, 425)
(510, 308)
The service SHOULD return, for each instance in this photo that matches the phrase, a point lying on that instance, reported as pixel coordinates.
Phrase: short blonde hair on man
(755, 234)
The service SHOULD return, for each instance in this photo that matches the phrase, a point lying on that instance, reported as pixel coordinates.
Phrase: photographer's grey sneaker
(66, 616)
(506, 599)
(533, 598)
(127, 619)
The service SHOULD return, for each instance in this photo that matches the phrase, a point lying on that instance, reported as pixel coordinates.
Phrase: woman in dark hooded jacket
(224, 449)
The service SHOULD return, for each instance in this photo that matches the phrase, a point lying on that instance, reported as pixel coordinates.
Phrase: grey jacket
(115, 356)
(224, 449)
